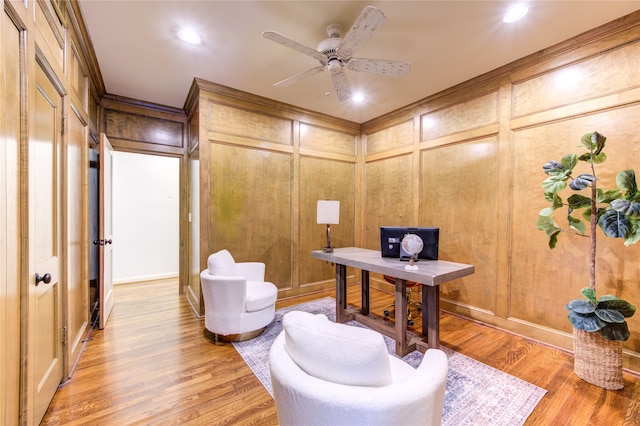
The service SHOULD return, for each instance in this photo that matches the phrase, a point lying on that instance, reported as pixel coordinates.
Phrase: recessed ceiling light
(188, 36)
(357, 98)
(515, 13)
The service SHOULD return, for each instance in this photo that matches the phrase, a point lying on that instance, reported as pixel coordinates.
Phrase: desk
(431, 274)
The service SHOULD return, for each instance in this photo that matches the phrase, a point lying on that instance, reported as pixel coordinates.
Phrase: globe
(412, 244)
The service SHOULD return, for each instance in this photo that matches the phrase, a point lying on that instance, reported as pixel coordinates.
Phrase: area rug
(476, 394)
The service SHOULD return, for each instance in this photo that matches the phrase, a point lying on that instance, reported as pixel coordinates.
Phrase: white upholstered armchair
(238, 303)
(325, 373)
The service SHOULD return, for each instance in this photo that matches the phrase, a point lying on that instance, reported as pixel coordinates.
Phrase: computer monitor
(391, 237)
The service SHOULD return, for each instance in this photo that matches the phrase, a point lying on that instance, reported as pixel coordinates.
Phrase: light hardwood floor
(153, 365)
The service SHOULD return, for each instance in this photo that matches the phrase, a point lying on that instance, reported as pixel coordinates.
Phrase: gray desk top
(430, 272)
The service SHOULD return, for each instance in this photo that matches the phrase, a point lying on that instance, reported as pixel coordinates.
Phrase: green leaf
(627, 208)
(610, 315)
(546, 211)
(597, 159)
(616, 331)
(600, 158)
(553, 168)
(614, 224)
(588, 323)
(634, 235)
(586, 141)
(608, 196)
(583, 307)
(569, 161)
(546, 223)
(577, 201)
(554, 184)
(576, 224)
(581, 182)
(626, 180)
(590, 294)
(610, 302)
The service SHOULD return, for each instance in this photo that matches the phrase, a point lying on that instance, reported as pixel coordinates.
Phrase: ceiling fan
(335, 53)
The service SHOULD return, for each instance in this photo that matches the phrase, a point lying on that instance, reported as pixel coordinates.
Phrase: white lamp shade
(328, 212)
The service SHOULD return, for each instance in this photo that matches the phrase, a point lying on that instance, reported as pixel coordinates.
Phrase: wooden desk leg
(341, 292)
(401, 316)
(431, 314)
(365, 293)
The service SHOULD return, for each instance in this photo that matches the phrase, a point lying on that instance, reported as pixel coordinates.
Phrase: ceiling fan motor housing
(328, 47)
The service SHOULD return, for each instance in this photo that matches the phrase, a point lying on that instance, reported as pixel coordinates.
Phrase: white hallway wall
(145, 217)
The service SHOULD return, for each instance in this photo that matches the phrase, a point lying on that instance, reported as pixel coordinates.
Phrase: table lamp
(329, 214)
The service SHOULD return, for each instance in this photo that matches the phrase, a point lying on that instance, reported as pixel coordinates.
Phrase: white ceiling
(447, 42)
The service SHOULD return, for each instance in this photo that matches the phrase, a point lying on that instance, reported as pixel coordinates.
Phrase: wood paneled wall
(37, 35)
(469, 160)
(262, 168)
(11, 93)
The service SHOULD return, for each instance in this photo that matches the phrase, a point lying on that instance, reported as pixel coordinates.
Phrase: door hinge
(64, 335)
(64, 125)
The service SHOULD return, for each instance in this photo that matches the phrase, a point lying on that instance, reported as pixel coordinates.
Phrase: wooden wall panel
(326, 140)
(558, 275)
(50, 31)
(78, 78)
(475, 113)
(388, 200)
(237, 122)
(458, 195)
(252, 206)
(135, 127)
(263, 168)
(398, 136)
(11, 242)
(322, 179)
(611, 72)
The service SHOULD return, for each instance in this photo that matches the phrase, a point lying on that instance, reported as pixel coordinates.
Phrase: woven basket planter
(598, 360)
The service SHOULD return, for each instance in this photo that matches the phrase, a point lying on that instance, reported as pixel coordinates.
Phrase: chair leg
(410, 303)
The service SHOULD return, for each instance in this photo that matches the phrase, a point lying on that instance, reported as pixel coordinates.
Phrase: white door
(44, 360)
(106, 229)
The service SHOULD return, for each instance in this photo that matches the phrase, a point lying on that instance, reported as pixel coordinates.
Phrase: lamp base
(327, 250)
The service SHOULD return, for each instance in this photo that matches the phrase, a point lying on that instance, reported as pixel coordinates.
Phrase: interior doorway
(146, 209)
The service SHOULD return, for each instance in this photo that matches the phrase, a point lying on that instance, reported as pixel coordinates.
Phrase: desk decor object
(328, 213)
(411, 246)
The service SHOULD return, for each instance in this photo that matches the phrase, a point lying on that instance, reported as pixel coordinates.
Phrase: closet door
(44, 360)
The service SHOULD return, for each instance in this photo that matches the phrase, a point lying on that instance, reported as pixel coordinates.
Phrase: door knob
(45, 279)
(102, 242)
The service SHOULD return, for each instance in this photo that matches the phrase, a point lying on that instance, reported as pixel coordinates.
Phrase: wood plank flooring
(152, 365)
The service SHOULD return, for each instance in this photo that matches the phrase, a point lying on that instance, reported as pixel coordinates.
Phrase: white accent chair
(238, 303)
(325, 373)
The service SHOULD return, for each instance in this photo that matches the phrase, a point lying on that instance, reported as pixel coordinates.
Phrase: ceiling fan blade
(340, 82)
(300, 76)
(380, 66)
(367, 23)
(291, 44)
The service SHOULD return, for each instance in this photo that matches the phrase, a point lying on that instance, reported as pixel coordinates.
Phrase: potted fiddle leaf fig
(599, 323)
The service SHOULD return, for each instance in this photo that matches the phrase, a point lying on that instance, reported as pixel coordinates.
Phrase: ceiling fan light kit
(335, 53)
